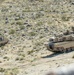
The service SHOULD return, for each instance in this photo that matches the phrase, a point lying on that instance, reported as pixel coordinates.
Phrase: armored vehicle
(62, 43)
(3, 40)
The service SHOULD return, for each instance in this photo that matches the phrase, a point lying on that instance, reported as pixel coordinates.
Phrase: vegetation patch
(32, 33)
(65, 18)
(12, 31)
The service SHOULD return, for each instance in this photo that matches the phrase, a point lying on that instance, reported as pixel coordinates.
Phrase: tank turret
(62, 43)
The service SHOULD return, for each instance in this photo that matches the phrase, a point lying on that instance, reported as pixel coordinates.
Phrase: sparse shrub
(38, 43)
(19, 58)
(4, 10)
(19, 23)
(41, 9)
(33, 61)
(30, 52)
(40, 0)
(12, 31)
(21, 27)
(65, 18)
(39, 23)
(2, 47)
(41, 37)
(23, 55)
(18, 18)
(38, 15)
(2, 69)
(0, 61)
(27, 9)
(12, 23)
(13, 71)
(73, 56)
(6, 58)
(36, 0)
(32, 33)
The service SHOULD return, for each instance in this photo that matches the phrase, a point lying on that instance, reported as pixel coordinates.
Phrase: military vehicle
(62, 43)
(3, 40)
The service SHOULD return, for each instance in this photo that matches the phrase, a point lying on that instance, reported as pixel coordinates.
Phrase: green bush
(19, 23)
(2, 69)
(40, 0)
(30, 52)
(21, 27)
(40, 23)
(19, 58)
(65, 18)
(36, 0)
(13, 71)
(12, 31)
(32, 33)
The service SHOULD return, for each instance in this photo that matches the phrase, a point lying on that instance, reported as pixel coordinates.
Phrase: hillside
(28, 24)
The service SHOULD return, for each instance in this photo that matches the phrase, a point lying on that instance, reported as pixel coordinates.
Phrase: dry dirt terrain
(28, 24)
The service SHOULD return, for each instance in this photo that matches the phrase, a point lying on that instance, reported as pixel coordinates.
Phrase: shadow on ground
(55, 54)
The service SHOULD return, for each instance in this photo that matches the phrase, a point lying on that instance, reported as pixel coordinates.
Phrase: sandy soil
(28, 24)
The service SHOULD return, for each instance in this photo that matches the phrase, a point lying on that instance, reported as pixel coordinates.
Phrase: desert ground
(28, 25)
